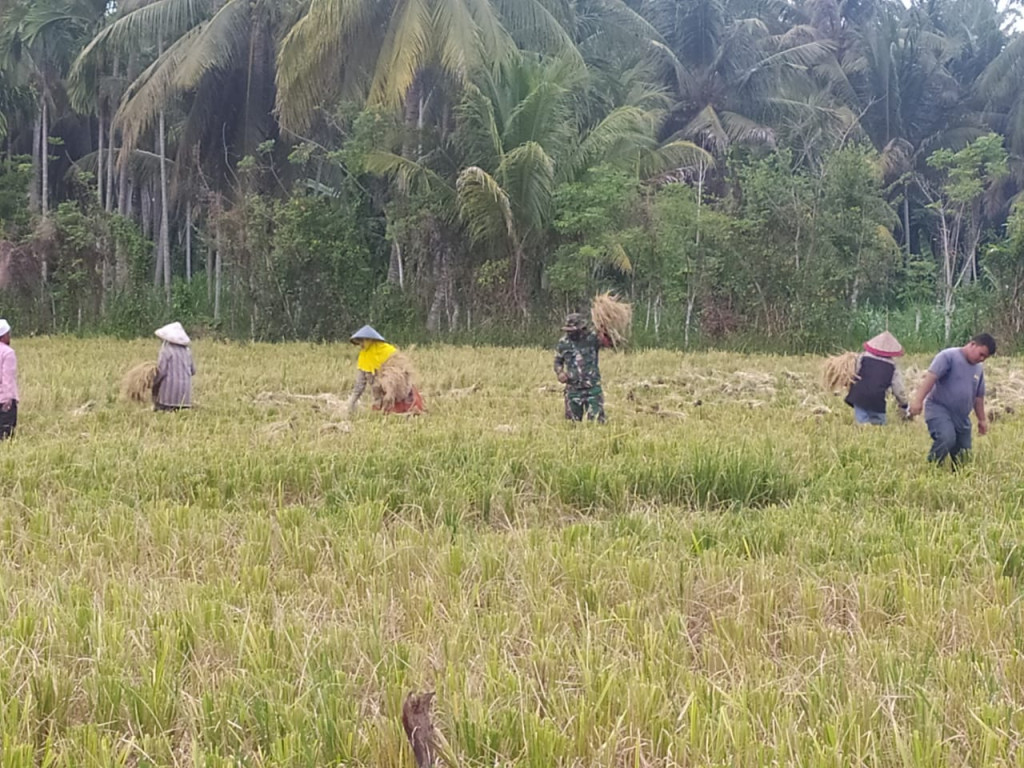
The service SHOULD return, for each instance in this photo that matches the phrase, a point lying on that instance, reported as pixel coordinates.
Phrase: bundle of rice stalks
(611, 316)
(839, 372)
(137, 384)
(393, 381)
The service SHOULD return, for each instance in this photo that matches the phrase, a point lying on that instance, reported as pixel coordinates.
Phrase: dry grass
(612, 316)
(727, 573)
(839, 372)
(137, 384)
(394, 381)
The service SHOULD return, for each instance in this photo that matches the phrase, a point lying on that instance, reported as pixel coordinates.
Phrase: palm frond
(896, 158)
(618, 258)
(484, 207)
(480, 134)
(527, 174)
(743, 130)
(627, 129)
(313, 59)
(672, 156)
(707, 127)
(169, 18)
(407, 44)
(534, 27)
(152, 90)
(805, 55)
(410, 176)
(219, 42)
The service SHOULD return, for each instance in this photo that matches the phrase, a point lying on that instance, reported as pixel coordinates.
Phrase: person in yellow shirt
(388, 373)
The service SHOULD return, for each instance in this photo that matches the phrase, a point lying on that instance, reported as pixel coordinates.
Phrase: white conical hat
(173, 333)
(884, 345)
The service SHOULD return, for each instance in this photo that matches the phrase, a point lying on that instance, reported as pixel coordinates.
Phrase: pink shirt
(8, 374)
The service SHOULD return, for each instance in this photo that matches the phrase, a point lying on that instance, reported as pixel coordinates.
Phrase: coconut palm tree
(521, 131)
(740, 76)
(38, 43)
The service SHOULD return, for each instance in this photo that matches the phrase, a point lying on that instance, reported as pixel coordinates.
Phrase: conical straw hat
(366, 332)
(173, 333)
(884, 345)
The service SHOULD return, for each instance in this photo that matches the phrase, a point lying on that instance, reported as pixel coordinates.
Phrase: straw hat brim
(173, 333)
(884, 345)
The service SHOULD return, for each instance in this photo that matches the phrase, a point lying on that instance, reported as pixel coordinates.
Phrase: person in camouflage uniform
(576, 366)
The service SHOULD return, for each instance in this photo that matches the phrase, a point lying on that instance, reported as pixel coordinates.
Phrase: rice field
(728, 573)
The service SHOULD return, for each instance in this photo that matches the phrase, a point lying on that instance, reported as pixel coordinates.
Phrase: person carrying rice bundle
(387, 371)
(576, 356)
(172, 384)
(874, 374)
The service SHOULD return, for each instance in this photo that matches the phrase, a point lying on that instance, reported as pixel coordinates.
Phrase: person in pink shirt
(8, 383)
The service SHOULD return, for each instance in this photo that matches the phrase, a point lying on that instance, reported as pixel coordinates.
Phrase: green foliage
(702, 157)
(15, 175)
(968, 172)
(593, 217)
(317, 274)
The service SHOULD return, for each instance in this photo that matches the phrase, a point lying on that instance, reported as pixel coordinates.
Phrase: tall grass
(749, 580)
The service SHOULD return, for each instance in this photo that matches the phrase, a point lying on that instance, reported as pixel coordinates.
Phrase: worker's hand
(916, 406)
(563, 377)
(983, 426)
(5, 406)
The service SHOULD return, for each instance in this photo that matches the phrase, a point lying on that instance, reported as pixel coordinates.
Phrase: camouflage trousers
(584, 401)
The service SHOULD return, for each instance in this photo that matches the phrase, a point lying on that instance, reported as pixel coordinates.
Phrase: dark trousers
(950, 436)
(584, 401)
(8, 421)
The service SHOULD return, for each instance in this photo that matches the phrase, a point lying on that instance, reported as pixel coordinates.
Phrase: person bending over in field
(172, 385)
(876, 373)
(576, 366)
(388, 372)
(952, 387)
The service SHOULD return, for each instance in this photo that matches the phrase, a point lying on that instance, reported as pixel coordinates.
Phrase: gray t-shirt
(957, 383)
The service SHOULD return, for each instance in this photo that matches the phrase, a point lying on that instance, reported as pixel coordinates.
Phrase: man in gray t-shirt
(954, 386)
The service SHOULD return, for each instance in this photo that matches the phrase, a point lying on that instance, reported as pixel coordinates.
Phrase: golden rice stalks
(839, 372)
(393, 381)
(137, 384)
(611, 316)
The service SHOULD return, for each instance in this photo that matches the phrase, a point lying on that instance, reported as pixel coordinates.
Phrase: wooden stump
(419, 728)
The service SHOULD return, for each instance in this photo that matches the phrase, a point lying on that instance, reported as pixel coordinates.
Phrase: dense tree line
(751, 172)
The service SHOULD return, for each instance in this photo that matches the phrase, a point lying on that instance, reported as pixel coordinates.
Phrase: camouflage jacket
(578, 359)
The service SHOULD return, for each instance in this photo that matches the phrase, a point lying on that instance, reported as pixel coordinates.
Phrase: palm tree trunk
(100, 157)
(125, 189)
(396, 274)
(906, 219)
(33, 190)
(146, 209)
(211, 254)
(188, 241)
(44, 157)
(410, 145)
(691, 299)
(158, 262)
(218, 258)
(109, 206)
(165, 229)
